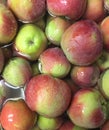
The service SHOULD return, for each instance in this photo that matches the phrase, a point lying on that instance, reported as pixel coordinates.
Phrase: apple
(52, 61)
(35, 68)
(2, 60)
(85, 76)
(104, 27)
(33, 40)
(48, 96)
(8, 25)
(88, 108)
(68, 125)
(55, 28)
(103, 61)
(103, 83)
(29, 10)
(72, 9)
(79, 41)
(95, 10)
(106, 5)
(105, 126)
(16, 115)
(45, 123)
(17, 72)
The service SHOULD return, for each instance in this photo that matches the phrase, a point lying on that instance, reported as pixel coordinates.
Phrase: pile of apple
(57, 53)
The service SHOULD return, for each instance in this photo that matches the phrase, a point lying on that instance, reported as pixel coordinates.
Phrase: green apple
(45, 123)
(30, 41)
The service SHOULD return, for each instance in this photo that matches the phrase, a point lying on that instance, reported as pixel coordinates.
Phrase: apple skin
(88, 108)
(55, 29)
(51, 95)
(16, 115)
(79, 41)
(105, 126)
(106, 5)
(104, 27)
(72, 9)
(54, 62)
(30, 11)
(68, 125)
(33, 43)
(17, 72)
(45, 123)
(103, 61)
(85, 76)
(2, 60)
(95, 10)
(8, 25)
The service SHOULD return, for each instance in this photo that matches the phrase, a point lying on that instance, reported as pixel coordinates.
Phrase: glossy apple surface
(80, 40)
(88, 108)
(51, 95)
(16, 115)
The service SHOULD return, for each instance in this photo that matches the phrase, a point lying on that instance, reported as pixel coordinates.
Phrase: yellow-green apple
(52, 61)
(29, 10)
(51, 96)
(103, 83)
(88, 108)
(85, 76)
(16, 115)
(81, 39)
(104, 27)
(45, 123)
(2, 60)
(35, 68)
(95, 10)
(72, 9)
(8, 25)
(103, 61)
(68, 125)
(17, 72)
(30, 41)
(55, 28)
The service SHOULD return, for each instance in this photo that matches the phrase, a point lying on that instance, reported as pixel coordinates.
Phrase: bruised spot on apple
(16, 115)
(30, 42)
(51, 95)
(82, 42)
(88, 108)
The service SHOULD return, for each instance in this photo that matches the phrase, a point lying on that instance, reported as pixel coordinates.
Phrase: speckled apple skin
(82, 42)
(47, 96)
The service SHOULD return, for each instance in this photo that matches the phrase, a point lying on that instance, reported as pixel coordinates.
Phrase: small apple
(8, 25)
(55, 29)
(52, 61)
(29, 10)
(17, 72)
(95, 10)
(68, 125)
(85, 76)
(79, 41)
(16, 115)
(72, 9)
(88, 108)
(51, 95)
(45, 123)
(103, 83)
(30, 41)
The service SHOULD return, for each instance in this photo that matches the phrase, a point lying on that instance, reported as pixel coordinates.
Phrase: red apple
(52, 61)
(88, 108)
(85, 76)
(29, 10)
(51, 95)
(72, 9)
(82, 42)
(8, 25)
(95, 10)
(16, 115)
